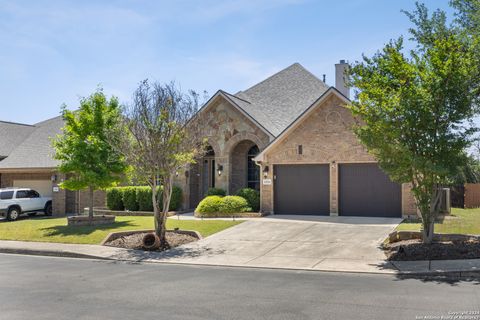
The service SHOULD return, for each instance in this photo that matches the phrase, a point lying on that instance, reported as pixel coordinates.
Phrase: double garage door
(363, 190)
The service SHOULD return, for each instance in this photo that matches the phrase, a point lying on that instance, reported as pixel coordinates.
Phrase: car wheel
(13, 214)
(32, 214)
(48, 209)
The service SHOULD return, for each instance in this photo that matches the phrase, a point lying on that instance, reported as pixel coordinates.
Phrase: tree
(415, 108)
(160, 138)
(86, 156)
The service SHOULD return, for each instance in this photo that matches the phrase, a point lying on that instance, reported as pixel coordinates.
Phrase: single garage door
(301, 189)
(44, 187)
(365, 190)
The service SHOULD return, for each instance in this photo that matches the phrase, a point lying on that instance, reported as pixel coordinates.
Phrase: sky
(55, 52)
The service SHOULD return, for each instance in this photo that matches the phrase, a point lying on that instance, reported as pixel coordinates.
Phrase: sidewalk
(435, 267)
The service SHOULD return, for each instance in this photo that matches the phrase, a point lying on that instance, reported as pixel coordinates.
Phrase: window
(253, 171)
(33, 194)
(22, 194)
(6, 195)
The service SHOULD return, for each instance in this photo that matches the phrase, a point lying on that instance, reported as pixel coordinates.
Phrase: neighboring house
(26, 160)
(290, 136)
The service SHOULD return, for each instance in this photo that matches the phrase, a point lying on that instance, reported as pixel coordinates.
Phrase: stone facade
(326, 137)
(230, 134)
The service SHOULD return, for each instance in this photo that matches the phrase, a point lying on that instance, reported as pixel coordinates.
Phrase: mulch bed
(411, 250)
(134, 241)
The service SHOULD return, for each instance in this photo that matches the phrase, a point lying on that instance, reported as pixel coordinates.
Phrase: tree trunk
(427, 232)
(156, 208)
(428, 219)
(90, 209)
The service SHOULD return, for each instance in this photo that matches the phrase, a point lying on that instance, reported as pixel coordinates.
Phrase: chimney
(341, 78)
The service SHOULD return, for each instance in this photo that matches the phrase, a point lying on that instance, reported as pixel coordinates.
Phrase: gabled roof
(35, 151)
(278, 100)
(305, 114)
(11, 135)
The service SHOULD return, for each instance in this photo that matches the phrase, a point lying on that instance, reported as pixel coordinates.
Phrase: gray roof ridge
(45, 121)
(321, 81)
(235, 96)
(273, 75)
(17, 123)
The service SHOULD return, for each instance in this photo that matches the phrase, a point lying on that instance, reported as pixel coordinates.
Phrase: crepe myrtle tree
(84, 150)
(414, 109)
(160, 137)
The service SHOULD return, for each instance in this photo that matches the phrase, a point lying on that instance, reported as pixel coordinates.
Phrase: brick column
(59, 198)
(333, 189)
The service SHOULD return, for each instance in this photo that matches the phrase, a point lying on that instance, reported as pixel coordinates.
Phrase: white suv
(15, 201)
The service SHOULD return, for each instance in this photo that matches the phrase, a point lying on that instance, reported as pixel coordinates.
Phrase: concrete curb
(49, 253)
(453, 274)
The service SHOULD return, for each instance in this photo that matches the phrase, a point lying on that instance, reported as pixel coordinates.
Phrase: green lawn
(466, 221)
(56, 229)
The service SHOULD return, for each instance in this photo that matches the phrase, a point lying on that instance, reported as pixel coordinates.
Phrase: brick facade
(326, 137)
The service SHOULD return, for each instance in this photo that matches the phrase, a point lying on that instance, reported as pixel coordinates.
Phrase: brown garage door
(301, 189)
(365, 190)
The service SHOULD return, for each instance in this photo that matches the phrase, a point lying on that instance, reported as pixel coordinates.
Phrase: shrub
(233, 204)
(175, 200)
(130, 198)
(114, 199)
(252, 196)
(216, 192)
(144, 198)
(210, 204)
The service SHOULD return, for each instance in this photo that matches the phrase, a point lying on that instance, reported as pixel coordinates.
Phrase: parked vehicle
(17, 201)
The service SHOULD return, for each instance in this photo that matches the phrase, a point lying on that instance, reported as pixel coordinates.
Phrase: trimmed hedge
(144, 198)
(234, 204)
(216, 192)
(210, 204)
(140, 198)
(227, 205)
(252, 196)
(114, 199)
(130, 198)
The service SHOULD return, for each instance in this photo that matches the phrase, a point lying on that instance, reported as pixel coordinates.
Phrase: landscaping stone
(396, 236)
(136, 240)
(230, 215)
(106, 211)
(87, 221)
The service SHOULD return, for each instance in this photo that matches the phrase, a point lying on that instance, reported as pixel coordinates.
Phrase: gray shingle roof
(11, 135)
(280, 99)
(35, 151)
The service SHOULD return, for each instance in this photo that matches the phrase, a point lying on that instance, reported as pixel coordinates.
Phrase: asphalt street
(36, 287)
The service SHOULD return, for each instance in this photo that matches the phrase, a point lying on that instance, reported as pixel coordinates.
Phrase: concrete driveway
(294, 242)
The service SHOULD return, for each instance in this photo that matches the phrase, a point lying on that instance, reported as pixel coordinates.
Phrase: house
(26, 160)
(290, 136)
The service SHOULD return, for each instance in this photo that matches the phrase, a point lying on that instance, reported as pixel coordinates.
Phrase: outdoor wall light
(219, 169)
(265, 171)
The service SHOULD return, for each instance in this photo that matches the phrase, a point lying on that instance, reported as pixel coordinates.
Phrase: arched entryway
(243, 170)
